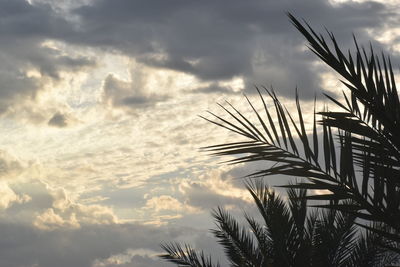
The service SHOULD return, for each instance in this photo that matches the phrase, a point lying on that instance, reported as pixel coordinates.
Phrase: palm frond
(264, 242)
(334, 238)
(298, 208)
(279, 226)
(371, 119)
(371, 250)
(238, 244)
(186, 256)
(288, 235)
(360, 157)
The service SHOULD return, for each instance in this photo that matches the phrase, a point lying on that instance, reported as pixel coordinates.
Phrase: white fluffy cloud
(65, 213)
(8, 197)
(169, 203)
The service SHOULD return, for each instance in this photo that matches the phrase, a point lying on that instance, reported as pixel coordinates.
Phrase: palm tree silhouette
(358, 158)
(288, 235)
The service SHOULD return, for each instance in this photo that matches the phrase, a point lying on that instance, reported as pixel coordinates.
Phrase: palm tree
(358, 158)
(289, 235)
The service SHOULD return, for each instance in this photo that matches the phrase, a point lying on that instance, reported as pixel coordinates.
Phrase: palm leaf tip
(186, 256)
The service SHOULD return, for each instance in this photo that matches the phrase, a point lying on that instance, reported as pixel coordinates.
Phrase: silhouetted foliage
(186, 256)
(356, 157)
(288, 235)
(352, 157)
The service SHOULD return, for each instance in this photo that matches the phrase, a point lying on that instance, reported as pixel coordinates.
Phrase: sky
(99, 116)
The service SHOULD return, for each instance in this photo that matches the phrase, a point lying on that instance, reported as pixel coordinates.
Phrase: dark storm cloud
(215, 40)
(20, 19)
(50, 62)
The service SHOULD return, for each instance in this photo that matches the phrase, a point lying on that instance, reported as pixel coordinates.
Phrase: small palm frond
(327, 237)
(237, 241)
(279, 226)
(334, 238)
(186, 256)
(370, 250)
(298, 208)
(264, 243)
(302, 231)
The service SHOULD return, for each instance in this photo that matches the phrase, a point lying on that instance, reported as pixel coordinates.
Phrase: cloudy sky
(99, 105)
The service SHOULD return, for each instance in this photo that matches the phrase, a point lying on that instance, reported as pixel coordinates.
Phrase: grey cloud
(209, 39)
(50, 62)
(63, 6)
(23, 29)
(139, 261)
(76, 247)
(40, 201)
(9, 164)
(58, 120)
(75, 63)
(215, 88)
(124, 94)
(62, 120)
(199, 195)
(17, 59)
(81, 247)
(215, 41)
(23, 20)
(14, 84)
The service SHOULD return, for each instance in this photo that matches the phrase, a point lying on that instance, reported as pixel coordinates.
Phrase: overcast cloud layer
(99, 159)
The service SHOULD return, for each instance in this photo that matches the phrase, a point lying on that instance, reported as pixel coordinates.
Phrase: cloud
(8, 197)
(209, 40)
(177, 56)
(214, 188)
(169, 203)
(61, 120)
(59, 238)
(10, 166)
(137, 258)
(83, 247)
(74, 216)
(33, 202)
(31, 60)
(215, 41)
(66, 213)
(215, 88)
(49, 220)
(119, 93)
(58, 120)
